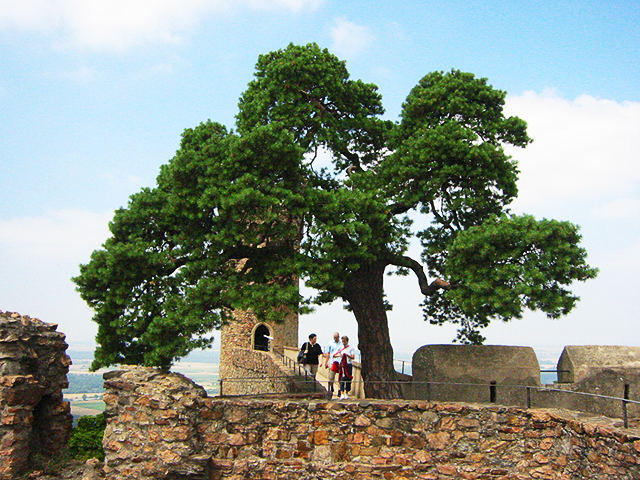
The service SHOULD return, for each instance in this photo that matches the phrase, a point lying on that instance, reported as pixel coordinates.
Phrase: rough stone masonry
(33, 371)
(163, 426)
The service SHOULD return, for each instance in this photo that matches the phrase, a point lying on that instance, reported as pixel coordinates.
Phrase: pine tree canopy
(238, 216)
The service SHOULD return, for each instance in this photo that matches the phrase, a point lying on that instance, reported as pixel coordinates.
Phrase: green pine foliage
(236, 217)
(86, 438)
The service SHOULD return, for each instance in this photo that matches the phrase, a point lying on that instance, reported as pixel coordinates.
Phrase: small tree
(235, 216)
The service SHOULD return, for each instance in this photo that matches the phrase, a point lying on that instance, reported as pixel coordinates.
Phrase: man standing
(311, 353)
(332, 348)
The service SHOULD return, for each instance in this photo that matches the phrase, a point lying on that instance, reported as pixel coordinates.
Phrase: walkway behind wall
(291, 353)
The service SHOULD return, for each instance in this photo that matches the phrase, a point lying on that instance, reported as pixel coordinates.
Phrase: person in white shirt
(346, 355)
(330, 349)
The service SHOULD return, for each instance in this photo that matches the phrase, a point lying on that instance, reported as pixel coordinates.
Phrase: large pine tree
(170, 272)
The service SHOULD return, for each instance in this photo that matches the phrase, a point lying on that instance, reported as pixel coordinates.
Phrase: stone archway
(259, 340)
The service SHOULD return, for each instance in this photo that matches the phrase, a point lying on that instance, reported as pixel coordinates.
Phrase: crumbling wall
(33, 372)
(162, 426)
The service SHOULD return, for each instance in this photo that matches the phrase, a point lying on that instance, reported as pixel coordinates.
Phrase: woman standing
(345, 356)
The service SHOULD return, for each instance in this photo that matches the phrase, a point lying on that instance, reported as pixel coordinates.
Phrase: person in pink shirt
(345, 356)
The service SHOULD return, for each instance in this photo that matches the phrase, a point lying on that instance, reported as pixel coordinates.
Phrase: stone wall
(599, 370)
(607, 382)
(579, 362)
(477, 366)
(253, 372)
(162, 426)
(33, 371)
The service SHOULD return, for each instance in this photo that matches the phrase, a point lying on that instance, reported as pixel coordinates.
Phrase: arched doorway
(260, 340)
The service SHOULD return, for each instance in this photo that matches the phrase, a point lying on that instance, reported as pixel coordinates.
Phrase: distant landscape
(86, 388)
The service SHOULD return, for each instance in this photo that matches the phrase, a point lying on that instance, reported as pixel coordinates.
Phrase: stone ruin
(498, 373)
(35, 420)
(162, 426)
(461, 373)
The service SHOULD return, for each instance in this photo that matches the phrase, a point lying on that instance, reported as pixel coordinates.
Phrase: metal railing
(403, 366)
(492, 389)
(306, 380)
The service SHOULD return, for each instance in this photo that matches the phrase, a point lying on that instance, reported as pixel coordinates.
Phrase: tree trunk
(364, 291)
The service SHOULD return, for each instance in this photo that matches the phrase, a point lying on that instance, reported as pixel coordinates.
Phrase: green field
(96, 405)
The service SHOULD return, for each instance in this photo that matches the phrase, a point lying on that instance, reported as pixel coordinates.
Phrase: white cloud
(39, 256)
(348, 38)
(624, 207)
(623, 258)
(121, 24)
(583, 149)
(56, 236)
(293, 5)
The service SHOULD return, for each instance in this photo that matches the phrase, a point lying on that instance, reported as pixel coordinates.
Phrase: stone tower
(247, 352)
(248, 342)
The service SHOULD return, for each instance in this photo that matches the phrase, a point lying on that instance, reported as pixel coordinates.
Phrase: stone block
(474, 368)
(578, 362)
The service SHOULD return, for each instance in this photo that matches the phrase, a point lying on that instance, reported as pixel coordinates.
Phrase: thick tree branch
(425, 287)
(454, 213)
(439, 217)
(176, 264)
(398, 208)
(334, 112)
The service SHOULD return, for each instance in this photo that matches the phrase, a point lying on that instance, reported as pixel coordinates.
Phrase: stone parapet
(474, 368)
(163, 426)
(579, 362)
(33, 372)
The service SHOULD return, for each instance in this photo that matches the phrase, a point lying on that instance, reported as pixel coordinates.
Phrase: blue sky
(94, 96)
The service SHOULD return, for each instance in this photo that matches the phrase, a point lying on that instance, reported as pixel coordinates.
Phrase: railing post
(528, 397)
(403, 367)
(220, 382)
(492, 391)
(625, 417)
